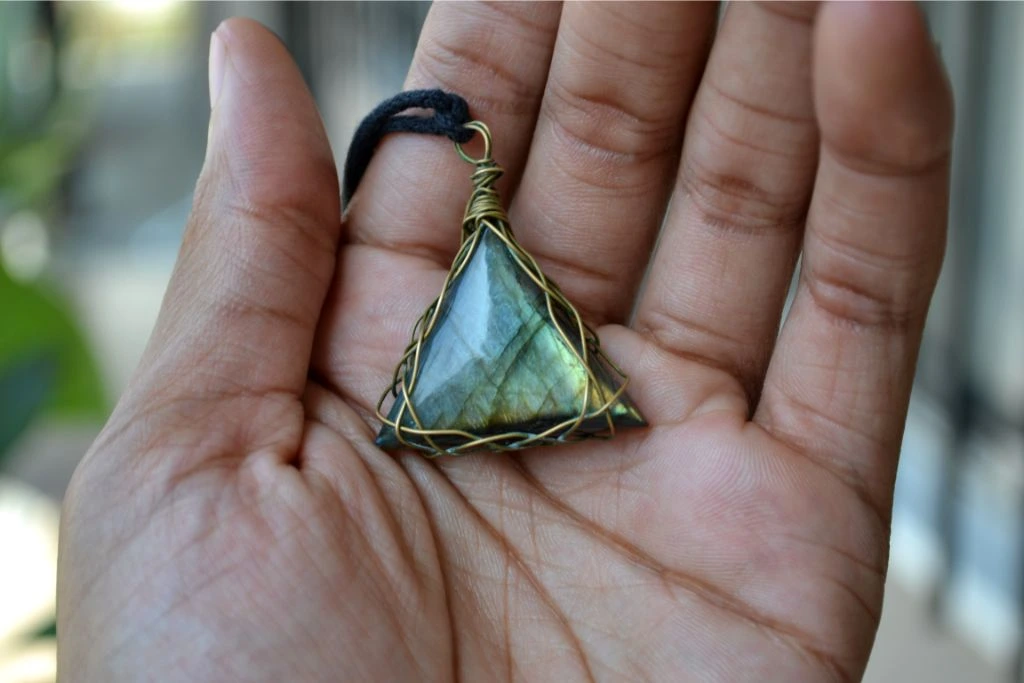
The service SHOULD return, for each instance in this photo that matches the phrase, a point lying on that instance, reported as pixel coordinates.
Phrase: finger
(496, 56)
(607, 143)
(719, 279)
(259, 251)
(838, 385)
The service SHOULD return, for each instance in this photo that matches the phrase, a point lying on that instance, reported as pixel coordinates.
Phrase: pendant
(501, 360)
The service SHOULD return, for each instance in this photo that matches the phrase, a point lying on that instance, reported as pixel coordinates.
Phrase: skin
(234, 521)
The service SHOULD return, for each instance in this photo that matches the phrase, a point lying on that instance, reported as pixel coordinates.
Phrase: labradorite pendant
(501, 360)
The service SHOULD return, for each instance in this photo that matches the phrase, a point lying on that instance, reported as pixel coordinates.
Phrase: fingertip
(267, 142)
(244, 29)
(881, 92)
(256, 51)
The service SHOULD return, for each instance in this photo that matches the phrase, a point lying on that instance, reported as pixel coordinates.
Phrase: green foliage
(45, 365)
(33, 160)
(47, 630)
(31, 168)
(25, 385)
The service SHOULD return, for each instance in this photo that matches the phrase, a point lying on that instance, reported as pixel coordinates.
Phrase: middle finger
(606, 145)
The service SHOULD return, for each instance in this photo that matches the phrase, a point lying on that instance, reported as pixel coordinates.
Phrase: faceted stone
(495, 362)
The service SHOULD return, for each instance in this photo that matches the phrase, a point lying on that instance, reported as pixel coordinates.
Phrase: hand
(234, 520)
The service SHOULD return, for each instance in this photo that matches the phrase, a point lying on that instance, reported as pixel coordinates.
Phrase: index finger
(496, 56)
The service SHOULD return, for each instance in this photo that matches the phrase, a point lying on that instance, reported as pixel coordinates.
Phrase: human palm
(234, 521)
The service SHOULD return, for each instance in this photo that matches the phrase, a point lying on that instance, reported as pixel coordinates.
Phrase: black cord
(450, 114)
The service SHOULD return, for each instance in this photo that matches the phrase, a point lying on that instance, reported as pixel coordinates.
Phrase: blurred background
(103, 115)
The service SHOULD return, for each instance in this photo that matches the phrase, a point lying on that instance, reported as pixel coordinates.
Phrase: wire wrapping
(484, 211)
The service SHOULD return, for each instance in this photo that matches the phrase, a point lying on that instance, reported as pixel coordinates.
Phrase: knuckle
(293, 202)
(496, 88)
(800, 12)
(610, 126)
(785, 124)
(869, 286)
(282, 222)
(904, 156)
(709, 345)
(861, 301)
(674, 331)
(247, 209)
(742, 182)
(260, 248)
(240, 306)
(734, 201)
(622, 96)
(901, 143)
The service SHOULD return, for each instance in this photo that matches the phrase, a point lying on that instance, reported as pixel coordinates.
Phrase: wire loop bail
(484, 202)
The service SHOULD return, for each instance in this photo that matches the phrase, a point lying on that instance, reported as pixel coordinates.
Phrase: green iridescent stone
(495, 362)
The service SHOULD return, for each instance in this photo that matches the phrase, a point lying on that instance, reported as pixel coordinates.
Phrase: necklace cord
(450, 114)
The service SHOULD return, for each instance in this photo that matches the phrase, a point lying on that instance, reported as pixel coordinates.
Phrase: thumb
(258, 254)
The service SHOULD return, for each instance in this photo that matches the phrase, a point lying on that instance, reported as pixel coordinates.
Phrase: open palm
(235, 522)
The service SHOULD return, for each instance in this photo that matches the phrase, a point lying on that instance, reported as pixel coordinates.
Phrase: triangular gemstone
(494, 361)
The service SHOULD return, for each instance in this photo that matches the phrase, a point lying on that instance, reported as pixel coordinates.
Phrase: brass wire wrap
(484, 211)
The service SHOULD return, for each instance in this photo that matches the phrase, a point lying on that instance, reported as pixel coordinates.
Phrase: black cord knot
(449, 118)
